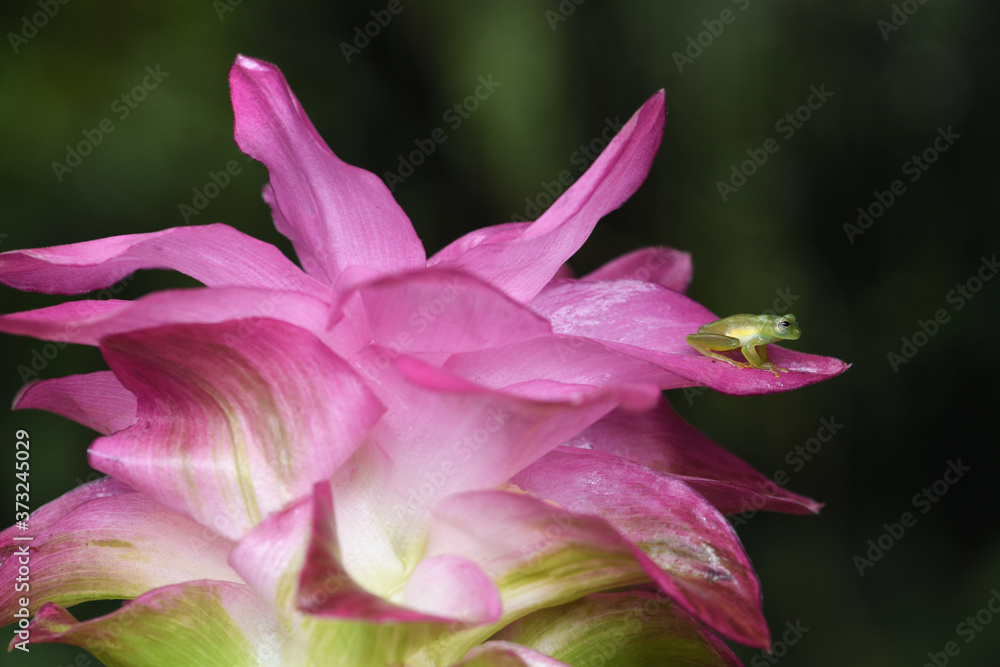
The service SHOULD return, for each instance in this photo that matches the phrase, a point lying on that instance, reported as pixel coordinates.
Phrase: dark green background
(782, 230)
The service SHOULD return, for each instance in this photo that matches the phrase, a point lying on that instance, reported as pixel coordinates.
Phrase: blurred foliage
(562, 77)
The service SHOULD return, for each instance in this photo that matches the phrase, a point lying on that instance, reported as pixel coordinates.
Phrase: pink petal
(102, 541)
(521, 260)
(86, 322)
(664, 266)
(192, 623)
(650, 322)
(235, 419)
(448, 586)
(439, 310)
(97, 400)
(443, 435)
(559, 359)
(335, 214)
(216, 255)
(662, 440)
(695, 554)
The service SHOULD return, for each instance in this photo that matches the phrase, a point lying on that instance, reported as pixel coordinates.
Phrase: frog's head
(786, 327)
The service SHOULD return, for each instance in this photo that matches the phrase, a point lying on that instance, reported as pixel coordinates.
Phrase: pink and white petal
(107, 547)
(629, 628)
(522, 264)
(664, 266)
(96, 400)
(205, 623)
(486, 236)
(216, 255)
(235, 420)
(697, 557)
(335, 214)
(650, 322)
(443, 435)
(86, 322)
(497, 653)
(662, 440)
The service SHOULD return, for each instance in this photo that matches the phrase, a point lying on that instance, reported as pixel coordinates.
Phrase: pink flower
(384, 458)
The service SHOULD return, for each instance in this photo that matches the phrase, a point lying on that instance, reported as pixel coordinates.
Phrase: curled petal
(335, 214)
(97, 400)
(497, 653)
(520, 260)
(215, 255)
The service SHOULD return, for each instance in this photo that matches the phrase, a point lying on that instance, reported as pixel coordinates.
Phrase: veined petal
(664, 266)
(216, 255)
(204, 623)
(335, 214)
(443, 435)
(697, 558)
(104, 541)
(87, 322)
(662, 440)
(230, 426)
(626, 629)
(521, 260)
(96, 400)
(650, 322)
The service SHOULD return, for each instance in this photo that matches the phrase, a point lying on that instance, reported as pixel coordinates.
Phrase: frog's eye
(784, 324)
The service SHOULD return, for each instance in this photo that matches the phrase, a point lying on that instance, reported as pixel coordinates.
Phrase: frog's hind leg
(706, 343)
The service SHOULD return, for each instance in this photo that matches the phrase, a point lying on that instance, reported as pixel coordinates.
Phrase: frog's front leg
(757, 356)
(707, 342)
